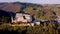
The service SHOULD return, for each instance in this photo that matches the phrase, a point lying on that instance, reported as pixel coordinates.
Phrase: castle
(22, 17)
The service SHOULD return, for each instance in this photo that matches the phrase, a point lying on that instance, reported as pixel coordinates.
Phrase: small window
(24, 17)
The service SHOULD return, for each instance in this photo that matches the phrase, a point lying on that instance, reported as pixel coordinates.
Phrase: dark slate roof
(6, 14)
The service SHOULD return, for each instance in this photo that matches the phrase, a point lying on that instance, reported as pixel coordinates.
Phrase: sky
(35, 1)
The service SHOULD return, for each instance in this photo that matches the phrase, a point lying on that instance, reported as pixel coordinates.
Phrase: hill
(39, 11)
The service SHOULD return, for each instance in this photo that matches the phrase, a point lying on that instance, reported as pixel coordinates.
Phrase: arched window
(24, 17)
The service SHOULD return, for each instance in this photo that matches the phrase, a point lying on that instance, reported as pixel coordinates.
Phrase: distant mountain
(14, 6)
